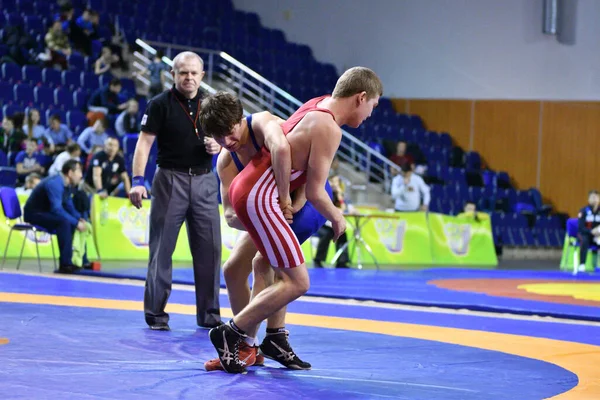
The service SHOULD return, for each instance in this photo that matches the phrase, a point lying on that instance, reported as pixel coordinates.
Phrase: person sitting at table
(326, 231)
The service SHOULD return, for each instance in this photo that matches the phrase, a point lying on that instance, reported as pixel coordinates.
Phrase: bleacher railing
(257, 94)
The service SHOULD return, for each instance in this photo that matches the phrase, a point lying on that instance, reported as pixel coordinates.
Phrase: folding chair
(12, 211)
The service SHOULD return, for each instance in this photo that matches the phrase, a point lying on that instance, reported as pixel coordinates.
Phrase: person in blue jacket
(50, 206)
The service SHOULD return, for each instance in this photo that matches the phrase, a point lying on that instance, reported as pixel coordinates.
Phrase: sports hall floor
(521, 332)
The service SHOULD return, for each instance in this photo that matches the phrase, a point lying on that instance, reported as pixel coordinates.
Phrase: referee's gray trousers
(178, 196)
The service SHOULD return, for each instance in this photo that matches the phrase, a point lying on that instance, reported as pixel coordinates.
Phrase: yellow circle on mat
(3, 340)
(581, 291)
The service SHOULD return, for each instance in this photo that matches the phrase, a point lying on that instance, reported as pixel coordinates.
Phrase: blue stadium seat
(75, 119)
(11, 109)
(33, 23)
(473, 160)
(23, 93)
(11, 72)
(7, 94)
(43, 96)
(445, 140)
(51, 77)
(32, 74)
(89, 81)
(76, 61)
(71, 79)
(80, 99)
(63, 98)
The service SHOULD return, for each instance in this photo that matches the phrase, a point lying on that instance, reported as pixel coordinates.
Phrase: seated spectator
(57, 42)
(588, 229)
(28, 161)
(107, 174)
(470, 212)
(73, 152)
(93, 135)
(402, 157)
(106, 99)
(32, 127)
(31, 181)
(127, 121)
(59, 134)
(326, 231)
(51, 207)
(11, 139)
(105, 61)
(409, 191)
(81, 32)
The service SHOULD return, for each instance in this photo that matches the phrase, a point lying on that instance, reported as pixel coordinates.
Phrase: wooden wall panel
(506, 135)
(570, 153)
(400, 105)
(452, 116)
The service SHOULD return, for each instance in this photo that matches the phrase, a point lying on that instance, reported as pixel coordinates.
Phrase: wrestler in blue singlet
(307, 221)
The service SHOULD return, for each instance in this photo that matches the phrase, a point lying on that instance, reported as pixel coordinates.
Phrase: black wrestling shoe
(276, 346)
(227, 342)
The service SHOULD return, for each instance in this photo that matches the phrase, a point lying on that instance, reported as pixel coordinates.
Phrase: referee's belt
(190, 170)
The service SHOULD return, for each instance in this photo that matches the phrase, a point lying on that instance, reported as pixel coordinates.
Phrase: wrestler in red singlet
(253, 195)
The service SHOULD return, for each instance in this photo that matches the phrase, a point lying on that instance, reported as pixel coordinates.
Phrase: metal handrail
(235, 76)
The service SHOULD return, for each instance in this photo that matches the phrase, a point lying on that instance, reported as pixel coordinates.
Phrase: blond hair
(357, 80)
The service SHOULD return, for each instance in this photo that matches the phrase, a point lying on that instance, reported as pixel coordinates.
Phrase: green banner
(461, 240)
(394, 238)
(121, 232)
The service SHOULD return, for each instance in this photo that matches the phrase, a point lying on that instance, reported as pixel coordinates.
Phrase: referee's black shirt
(169, 116)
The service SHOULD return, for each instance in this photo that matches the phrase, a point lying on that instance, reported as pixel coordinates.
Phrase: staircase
(367, 169)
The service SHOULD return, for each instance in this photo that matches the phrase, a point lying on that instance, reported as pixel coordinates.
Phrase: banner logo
(458, 237)
(391, 233)
(135, 225)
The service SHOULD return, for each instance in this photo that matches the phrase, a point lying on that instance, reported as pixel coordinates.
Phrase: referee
(183, 189)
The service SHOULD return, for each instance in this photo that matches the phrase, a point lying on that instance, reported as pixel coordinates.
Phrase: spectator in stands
(105, 61)
(93, 135)
(106, 99)
(28, 161)
(589, 227)
(81, 31)
(73, 152)
(127, 121)
(107, 174)
(326, 231)
(402, 157)
(409, 191)
(58, 44)
(470, 212)
(11, 139)
(34, 130)
(156, 70)
(31, 181)
(345, 183)
(58, 133)
(51, 207)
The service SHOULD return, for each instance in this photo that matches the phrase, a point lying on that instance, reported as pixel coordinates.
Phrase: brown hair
(357, 80)
(219, 113)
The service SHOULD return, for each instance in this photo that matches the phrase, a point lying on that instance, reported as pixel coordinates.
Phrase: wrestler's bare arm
(281, 156)
(227, 171)
(325, 139)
